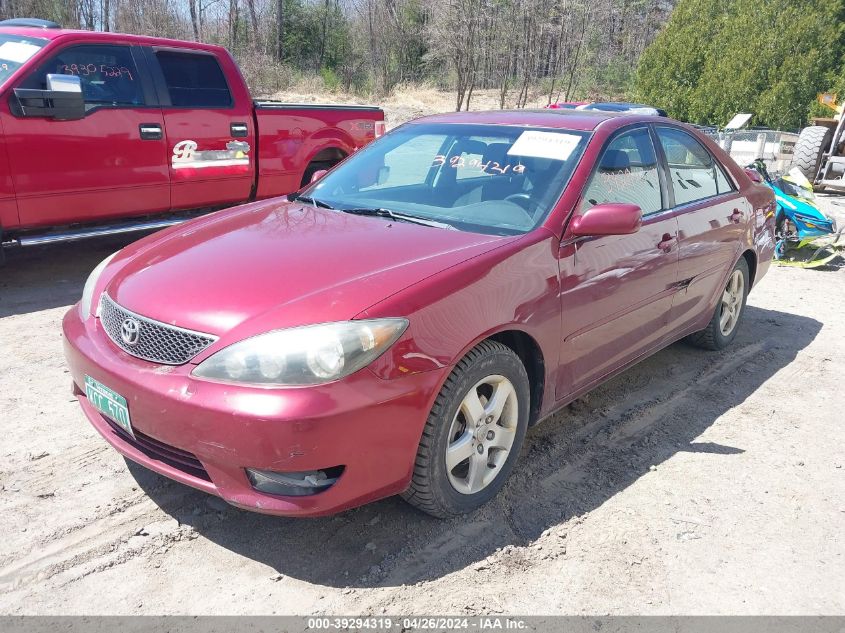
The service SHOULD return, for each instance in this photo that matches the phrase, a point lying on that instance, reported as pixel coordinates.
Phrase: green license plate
(108, 402)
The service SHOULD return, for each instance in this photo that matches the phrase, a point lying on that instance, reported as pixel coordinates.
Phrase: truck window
(194, 81)
(14, 51)
(108, 74)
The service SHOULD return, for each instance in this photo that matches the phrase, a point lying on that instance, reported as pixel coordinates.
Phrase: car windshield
(15, 50)
(481, 178)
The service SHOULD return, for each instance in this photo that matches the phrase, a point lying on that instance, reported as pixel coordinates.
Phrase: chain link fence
(775, 147)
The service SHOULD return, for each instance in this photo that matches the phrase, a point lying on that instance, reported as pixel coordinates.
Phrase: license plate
(108, 402)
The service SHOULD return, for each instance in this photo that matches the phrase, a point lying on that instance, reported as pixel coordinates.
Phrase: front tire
(473, 434)
(724, 324)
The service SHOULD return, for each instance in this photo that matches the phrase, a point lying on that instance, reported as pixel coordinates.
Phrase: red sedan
(395, 327)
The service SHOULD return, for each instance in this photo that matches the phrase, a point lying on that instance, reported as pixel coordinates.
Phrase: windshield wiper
(381, 212)
(312, 201)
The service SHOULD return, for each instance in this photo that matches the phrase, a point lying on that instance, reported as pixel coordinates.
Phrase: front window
(15, 51)
(626, 172)
(482, 178)
(107, 73)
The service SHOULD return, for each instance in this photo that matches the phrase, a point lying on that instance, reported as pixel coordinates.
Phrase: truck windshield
(15, 50)
(482, 178)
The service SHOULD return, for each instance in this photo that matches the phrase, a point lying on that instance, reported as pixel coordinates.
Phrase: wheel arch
(750, 259)
(531, 355)
(326, 157)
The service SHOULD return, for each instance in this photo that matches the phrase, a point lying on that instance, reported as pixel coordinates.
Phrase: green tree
(768, 57)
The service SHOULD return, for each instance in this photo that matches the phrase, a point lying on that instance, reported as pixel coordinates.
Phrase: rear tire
(313, 168)
(473, 434)
(812, 143)
(724, 324)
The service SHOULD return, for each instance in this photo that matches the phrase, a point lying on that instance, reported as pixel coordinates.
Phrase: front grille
(161, 452)
(154, 341)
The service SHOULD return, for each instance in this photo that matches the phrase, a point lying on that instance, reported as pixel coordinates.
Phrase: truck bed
(294, 135)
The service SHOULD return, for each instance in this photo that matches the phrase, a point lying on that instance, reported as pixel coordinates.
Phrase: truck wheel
(812, 143)
(312, 169)
(473, 434)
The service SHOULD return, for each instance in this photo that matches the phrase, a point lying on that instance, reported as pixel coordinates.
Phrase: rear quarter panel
(290, 136)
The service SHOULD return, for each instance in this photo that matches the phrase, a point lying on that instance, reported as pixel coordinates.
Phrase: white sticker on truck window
(186, 155)
(554, 145)
(17, 52)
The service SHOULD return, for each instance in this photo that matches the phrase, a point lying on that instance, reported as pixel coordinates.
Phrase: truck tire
(812, 143)
(314, 168)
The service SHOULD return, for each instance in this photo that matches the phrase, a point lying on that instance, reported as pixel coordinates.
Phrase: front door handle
(150, 132)
(736, 216)
(666, 243)
(239, 130)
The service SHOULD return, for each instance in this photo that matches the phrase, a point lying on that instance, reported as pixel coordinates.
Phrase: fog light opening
(294, 484)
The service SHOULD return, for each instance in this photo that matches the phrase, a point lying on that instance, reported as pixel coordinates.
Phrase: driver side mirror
(62, 100)
(610, 218)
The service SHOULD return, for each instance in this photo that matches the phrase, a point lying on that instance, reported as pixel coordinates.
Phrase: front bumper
(205, 434)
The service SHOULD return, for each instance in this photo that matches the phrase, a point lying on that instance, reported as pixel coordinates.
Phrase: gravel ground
(696, 482)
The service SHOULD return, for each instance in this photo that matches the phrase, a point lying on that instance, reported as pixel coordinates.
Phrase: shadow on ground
(42, 277)
(571, 464)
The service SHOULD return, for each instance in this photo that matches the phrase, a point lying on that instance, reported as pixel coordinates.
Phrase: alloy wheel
(732, 299)
(482, 434)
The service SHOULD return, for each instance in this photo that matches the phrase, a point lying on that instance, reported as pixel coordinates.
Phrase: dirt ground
(695, 483)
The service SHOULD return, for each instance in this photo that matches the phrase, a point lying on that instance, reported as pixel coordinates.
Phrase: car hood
(278, 264)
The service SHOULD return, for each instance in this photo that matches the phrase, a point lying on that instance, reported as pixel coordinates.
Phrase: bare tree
(521, 49)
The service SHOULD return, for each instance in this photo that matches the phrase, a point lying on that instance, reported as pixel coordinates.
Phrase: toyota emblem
(130, 331)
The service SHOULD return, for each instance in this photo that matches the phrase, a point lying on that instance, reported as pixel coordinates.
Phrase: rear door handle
(239, 130)
(150, 132)
(736, 216)
(666, 243)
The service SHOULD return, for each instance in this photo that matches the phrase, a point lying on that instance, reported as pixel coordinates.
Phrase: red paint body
(98, 169)
(590, 306)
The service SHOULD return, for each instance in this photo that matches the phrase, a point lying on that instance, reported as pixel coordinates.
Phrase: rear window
(194, 81)
(694, 173)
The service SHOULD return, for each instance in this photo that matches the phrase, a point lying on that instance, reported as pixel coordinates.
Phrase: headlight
(308, 355)
(88, 291)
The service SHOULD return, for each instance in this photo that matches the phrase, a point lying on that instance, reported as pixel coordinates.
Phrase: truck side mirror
(62, 100)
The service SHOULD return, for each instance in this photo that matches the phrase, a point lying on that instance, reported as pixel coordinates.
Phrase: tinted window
(107, 73)
(723, 184)
(482, 178)
(627, 172)
(194, 81)
(694, 173)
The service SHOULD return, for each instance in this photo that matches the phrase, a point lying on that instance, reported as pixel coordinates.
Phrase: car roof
(100, 36)
(565, 119)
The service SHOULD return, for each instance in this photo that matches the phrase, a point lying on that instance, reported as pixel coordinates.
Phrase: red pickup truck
(104, 133)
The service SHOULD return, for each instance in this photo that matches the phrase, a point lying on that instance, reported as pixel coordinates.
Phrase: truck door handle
(666, 243)
(150, 132)
(736, 216)
(239, 130)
